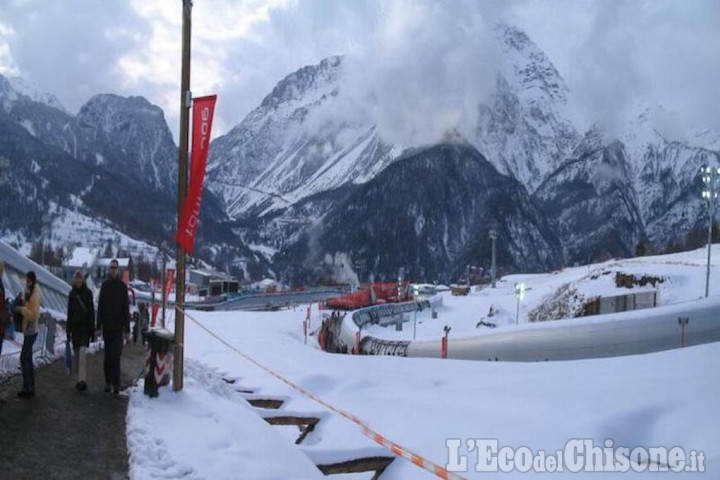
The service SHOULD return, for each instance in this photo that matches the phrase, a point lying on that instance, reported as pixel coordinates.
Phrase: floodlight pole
(711, 178)
(710, 226)
(163, 281)
(493, 267)
(45, 219)
(415, 296)
(185, 103)
(519, 293)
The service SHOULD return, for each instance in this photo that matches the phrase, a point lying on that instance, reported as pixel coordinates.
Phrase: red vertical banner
(155, 308)
(203, 111)
(169, 283)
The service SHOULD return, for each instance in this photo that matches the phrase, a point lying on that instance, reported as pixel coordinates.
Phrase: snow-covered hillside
(69, 228)
(563, 293)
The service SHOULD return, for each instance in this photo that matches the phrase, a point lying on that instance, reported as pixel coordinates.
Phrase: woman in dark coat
(80, 325)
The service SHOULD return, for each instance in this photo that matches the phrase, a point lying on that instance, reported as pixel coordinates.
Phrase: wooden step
(267, 403)
(369, 464)
(304, 424)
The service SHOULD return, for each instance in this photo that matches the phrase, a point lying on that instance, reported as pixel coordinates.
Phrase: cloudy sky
(611, 52)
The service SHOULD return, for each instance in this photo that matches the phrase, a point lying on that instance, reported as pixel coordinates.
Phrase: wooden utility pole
(185, 103)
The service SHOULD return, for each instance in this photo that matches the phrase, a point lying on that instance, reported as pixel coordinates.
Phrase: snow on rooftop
(82, 257)
(122, 262)
(208, 272)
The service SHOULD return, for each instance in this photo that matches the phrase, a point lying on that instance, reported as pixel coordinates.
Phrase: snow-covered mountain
(430, 213)
(306, 173)
(107, 173)
(602, 193)
(665, 176)
(613, 192)
(23, 87)
(592, 201)
(275, 157)
(523, 130)
(127, 136)
(285, 150)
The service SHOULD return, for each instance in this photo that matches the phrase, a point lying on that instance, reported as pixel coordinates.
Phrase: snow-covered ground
(683, 274)
(207, 431)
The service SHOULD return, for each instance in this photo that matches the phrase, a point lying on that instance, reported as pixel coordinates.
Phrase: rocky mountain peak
(130, 136)
(528, 66)
(17, 89)
(24, 87)
(297, 85)
(108, 112)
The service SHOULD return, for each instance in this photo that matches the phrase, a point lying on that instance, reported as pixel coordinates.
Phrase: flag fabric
(203, 111)
(155, 308)
(169, 283)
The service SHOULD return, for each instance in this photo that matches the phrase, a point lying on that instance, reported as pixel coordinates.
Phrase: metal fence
(45, 349)
(373, 315)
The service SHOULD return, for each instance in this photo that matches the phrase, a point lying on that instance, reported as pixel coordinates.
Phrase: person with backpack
(113, 319)
(144, 322)
(30, 313)
(4, 314)
(80, 326)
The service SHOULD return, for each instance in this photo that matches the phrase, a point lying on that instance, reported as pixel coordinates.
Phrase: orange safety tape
(396, 449)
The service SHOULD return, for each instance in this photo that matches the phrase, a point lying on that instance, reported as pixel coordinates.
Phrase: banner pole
(185, 103)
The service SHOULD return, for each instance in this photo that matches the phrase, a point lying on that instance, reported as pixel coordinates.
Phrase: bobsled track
(626, 333)
(271, 301)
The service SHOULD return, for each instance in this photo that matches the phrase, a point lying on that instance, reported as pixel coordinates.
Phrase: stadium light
(520, 294)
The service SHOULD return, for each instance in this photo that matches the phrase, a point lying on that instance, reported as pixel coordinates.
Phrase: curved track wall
(626, 333)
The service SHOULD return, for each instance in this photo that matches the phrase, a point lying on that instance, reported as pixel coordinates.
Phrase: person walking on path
(80, 326)
(4, 314)
(113, 318)
(144, 322)
(30, 313)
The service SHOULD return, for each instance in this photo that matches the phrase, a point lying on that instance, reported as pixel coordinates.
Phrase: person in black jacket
(114, 322)
(80, 325)
(4, 314)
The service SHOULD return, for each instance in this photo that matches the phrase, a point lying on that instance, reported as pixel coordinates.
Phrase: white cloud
(8, 67)
(424, 69)
(427, 58)
(619, 56)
